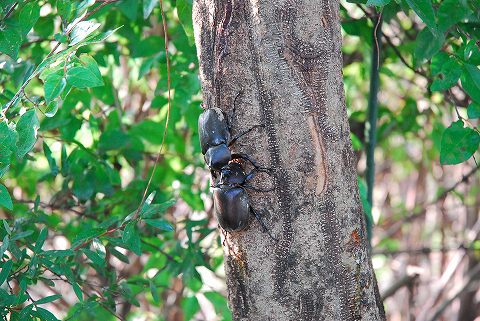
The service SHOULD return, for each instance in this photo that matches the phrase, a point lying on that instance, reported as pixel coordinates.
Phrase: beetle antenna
(232, 113)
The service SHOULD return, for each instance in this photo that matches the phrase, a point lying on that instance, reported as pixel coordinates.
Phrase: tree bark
(284, 59)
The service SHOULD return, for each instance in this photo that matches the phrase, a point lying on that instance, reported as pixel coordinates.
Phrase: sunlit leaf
(458, 144)
(148, 6)
(424, 9)
(184, 9)
(54, 85)
(29, 16)
(132, 238)
(10, 41)
(27, 128)
(82, 30)
(160, 224)
(48, 299)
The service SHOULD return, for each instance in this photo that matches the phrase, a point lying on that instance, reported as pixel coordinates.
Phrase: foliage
(83, 111)
(444, 52)
(84, 104)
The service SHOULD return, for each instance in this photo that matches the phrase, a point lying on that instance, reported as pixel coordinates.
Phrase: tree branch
(466, 286)
(405, 280)
(420, 212)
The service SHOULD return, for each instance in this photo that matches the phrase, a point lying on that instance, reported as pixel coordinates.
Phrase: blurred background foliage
(84, 96)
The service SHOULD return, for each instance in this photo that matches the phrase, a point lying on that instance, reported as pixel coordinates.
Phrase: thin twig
(10, 11)
(373, 108)
(395, 49)
(22, 88)
(406, 280)
(165, 31)
(424, 250)
(420, 212)
(461, 289)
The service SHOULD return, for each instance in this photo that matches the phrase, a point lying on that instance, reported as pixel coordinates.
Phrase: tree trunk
(284, 59)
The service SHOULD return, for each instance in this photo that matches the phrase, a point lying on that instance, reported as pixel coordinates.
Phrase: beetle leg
(251, 161)
(262, 223)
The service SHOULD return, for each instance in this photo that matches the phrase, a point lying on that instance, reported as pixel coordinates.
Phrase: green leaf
(471, 53)
(54, 85)
(438, 61)
(40, 240)
(4, 246)
(131, 238)
(190, 307)
(427, 45)
(29, 16)
(27, 128)
(148, 6)
(58, 253)
(25, 313)
(21, 235)
(450, 12)
(51, 161)
(219, 303)
(82, 30)
(129, 8)
(91, 64)
(94, 257)
(51, 109)
(378, 3)
(160, 224)
(473, 110)
(184, 10)
(10, 41)
(84, 77)
(6, 4)
(458, 144)
(7, 227)
(6, 267)
(149, 130)
(8, 141)
(45, 315)
(78, 291)
(119, 255)
(150, 210)
(471, 81)
(451, 72)
(84, 187)
(48, 299)
(424, 9)
(113, 139)
(154, 292)
(100, 37)
(64, 9)
(5, 199)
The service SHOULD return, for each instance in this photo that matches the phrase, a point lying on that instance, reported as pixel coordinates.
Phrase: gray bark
(284, 58)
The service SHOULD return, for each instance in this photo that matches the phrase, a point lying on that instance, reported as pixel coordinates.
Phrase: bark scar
(319, 148)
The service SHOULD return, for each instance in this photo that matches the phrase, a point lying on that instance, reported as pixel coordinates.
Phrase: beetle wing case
(212, 129)
(231, 208)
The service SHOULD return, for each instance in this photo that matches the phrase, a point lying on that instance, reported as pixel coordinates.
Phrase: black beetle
(215, 138)
(214, 135)
(231, 202)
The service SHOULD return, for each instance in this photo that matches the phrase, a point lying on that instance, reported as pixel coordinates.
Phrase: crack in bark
(309, 66)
